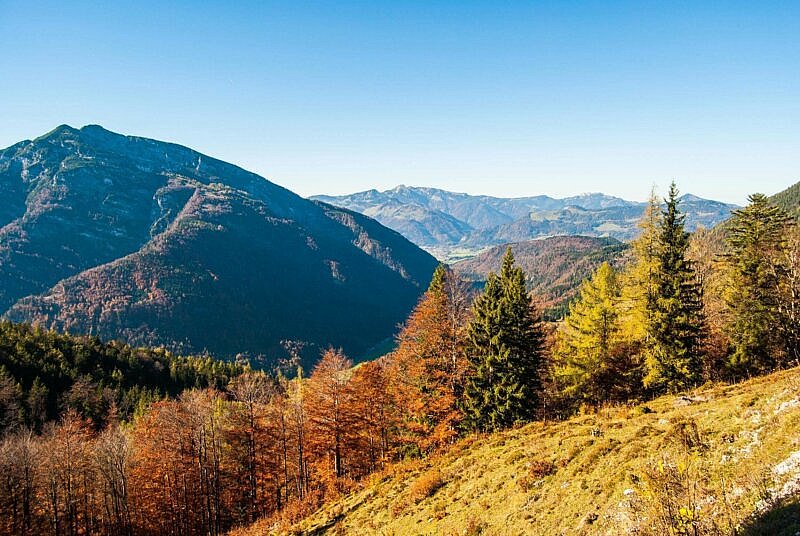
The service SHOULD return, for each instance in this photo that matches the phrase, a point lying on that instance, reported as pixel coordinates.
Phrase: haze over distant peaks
(452, 224)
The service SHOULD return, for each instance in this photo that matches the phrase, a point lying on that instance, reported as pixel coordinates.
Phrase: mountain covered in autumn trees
(156, 244)
(555, 266)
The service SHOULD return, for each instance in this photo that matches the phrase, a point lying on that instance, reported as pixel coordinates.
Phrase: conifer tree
(756, 252)
(675, 323)
(505, 353)
(593, 364)
(639, 279)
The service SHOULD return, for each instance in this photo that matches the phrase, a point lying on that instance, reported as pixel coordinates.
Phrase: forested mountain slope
(153, 243)
(789, 199)
(555, 266)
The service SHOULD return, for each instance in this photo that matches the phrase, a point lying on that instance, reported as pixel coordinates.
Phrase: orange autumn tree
(373, 415)
(331, 421)
(180, 470)
(253, 444)
(428, 366)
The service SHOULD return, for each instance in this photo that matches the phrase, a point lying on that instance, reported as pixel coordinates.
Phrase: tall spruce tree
(676, 324)
(757, 243)
(504, 353)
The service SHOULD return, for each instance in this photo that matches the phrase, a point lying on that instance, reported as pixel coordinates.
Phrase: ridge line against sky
(506, 99)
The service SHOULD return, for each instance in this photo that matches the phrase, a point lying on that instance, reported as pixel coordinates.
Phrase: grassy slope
(487, 488)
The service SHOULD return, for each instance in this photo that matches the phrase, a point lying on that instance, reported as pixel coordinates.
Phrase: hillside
(455, 225)
(555, 266)
(735, 446)
(789, 199)
(42, 373)
(153, 243)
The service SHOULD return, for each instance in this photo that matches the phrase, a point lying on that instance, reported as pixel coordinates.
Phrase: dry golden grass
(730, 451)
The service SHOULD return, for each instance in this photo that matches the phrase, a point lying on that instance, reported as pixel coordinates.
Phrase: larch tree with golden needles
(374, 418)
(638, 278)
(593, 363)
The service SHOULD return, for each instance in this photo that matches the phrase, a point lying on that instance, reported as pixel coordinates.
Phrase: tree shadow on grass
(782, 520)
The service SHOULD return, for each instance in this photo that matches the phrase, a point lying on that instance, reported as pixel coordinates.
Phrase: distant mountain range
(157, 244)
(451, 224)
(557, 265)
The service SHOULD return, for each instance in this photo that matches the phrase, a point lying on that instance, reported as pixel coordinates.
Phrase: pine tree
(505, 353)
(675, 324)
(593, 364)
(756, 244)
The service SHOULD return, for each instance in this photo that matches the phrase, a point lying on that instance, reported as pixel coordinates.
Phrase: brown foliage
(429, 365)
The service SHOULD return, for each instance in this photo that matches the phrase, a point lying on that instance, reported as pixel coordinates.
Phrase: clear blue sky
(504, 98)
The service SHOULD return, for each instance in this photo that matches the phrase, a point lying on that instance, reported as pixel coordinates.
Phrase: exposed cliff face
(155, 243)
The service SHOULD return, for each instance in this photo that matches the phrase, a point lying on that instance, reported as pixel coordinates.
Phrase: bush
(678, 498)
(686, 433)
(541, 468)
(474, 527)
(538, 470)
(426, 485)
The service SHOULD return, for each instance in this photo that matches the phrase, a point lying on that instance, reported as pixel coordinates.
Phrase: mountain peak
(59, 131)
(96, 129)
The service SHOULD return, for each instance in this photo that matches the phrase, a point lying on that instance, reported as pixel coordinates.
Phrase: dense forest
(44, 373)
(130, 441)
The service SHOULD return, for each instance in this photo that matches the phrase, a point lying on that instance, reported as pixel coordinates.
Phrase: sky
(496, 97)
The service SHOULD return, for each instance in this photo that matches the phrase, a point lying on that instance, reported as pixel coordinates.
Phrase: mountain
(453, 225)
(726, 454)
(424, 227)
(555, 266)
(477, 211)
(154, 243)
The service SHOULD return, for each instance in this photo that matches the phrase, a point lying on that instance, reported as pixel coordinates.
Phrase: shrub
(678, 499)
(538, 470)
(474, 527)
(686, 433)
(541, 468)
(426, 485)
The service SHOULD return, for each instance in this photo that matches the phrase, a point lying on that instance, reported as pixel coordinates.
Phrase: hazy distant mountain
(555, 266)
(154, 243)
(430, 217)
